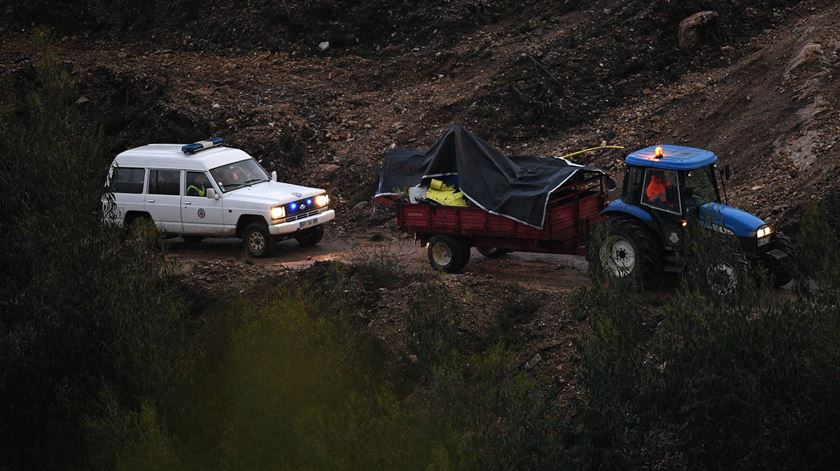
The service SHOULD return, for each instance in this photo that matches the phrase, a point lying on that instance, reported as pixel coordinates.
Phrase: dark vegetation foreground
(111, 361)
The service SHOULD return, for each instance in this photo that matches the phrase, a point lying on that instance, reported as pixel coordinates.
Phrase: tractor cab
(669, 188)
(672, 184)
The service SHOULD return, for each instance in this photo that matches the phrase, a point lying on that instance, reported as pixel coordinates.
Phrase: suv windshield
(238, 174)
(700, 187)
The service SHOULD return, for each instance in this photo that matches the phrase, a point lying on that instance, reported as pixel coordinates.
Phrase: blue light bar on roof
(201, 145)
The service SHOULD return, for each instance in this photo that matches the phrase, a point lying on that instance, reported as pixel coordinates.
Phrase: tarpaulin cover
(518, 189)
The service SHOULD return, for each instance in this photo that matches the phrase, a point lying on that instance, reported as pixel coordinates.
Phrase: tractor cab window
(632, 184)
(661, 190)
(700, 187)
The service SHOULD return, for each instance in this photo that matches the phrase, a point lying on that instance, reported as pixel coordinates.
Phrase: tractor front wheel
(781, 275)
(628, 251)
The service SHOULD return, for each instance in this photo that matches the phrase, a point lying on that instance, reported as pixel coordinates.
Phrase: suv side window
(128, 180)
(196, 184)
(164, 182)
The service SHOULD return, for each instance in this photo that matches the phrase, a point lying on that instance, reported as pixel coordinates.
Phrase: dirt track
(539, 271)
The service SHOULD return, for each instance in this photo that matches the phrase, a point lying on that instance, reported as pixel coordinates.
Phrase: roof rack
(190, 149)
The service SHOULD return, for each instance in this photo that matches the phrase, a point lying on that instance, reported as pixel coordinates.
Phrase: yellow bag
(445, 194)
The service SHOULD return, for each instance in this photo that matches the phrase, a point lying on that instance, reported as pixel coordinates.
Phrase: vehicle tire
(258, 241)
(135, 221)
(629, 251)
(309, 237)
(465, 258)
(192, 239)
(492, 252)
(726, 277)
(445, 253)
(781, 275)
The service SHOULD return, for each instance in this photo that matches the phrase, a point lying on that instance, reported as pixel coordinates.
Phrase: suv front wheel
(258, 241)
(310, 237)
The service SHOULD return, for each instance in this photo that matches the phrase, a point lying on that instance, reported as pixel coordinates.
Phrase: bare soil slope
(543, 77)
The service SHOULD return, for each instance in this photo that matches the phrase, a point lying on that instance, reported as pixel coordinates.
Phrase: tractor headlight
(322, 200)
(278, 212)
(763, 231)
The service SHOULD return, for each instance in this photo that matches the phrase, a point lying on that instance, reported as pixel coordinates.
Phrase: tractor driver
(657, 190)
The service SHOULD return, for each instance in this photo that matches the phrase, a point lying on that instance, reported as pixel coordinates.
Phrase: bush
(291, 147)
(490, 416)
(432, 321)
(736, 381)
(84, 318)
(817, 249)
(378, 265)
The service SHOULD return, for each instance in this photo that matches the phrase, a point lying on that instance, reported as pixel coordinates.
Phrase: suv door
(200, 214)
(163, 199)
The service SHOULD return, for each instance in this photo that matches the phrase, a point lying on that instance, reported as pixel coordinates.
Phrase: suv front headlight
(278, 212)
(322, 200)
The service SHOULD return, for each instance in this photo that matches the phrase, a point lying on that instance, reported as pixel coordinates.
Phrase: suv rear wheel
(258, 241)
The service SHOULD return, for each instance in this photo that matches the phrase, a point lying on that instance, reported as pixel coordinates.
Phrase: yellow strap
(590, 150)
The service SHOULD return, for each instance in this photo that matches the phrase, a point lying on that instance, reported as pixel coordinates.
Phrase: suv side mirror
(274, 175)
(211, 193)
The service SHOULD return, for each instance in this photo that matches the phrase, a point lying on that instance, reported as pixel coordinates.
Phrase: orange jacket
(656, 189)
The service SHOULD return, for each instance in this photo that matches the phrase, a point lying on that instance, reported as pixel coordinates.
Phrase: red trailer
(449, 232)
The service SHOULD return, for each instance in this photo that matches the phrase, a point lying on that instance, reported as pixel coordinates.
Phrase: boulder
(694, 28)
(806, 55)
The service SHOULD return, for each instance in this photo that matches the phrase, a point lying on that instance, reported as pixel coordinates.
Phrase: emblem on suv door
(201, 213)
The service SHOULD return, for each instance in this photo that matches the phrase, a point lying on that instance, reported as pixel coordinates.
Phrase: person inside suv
(197, 184)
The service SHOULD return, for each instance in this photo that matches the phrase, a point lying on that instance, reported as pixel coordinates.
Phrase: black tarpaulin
(518, 189)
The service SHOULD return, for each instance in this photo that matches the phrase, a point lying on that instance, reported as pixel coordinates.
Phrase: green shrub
(818, 253)
(291, 147)
(83, 317)
(379, 265)
(290, 391)
(432, 321)
(490, 415)
(744, 380)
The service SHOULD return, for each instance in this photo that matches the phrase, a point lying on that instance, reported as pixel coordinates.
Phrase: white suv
(206, 190)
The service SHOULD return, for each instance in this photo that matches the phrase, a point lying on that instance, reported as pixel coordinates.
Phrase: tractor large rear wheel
(629, 251)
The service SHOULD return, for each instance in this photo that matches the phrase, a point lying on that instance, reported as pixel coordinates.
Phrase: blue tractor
(666, 190)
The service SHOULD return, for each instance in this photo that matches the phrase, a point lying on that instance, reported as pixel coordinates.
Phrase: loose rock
(693, 28)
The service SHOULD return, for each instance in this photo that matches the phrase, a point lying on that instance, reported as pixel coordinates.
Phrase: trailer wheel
(781, 275)
(493, 252)
(445, 254)
(465, 259)
(629, 251)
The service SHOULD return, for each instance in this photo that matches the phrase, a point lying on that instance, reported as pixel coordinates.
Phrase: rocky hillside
(318, 90)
